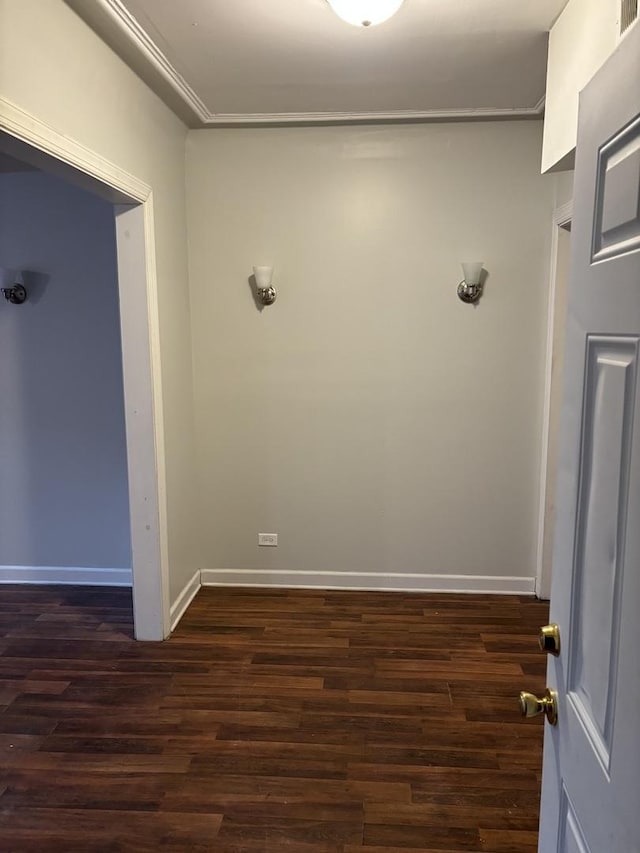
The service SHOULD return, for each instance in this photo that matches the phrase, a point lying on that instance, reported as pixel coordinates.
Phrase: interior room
(343, 426)
(64, 487)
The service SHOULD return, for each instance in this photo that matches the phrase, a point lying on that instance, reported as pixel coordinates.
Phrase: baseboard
(369, 581)
(77, 575)
(185, 598)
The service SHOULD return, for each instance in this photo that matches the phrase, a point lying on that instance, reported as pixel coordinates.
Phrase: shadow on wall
(35, 283)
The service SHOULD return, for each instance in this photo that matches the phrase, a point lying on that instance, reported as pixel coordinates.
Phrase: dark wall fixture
(16, 294)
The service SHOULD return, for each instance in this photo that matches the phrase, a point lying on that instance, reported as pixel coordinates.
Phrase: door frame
(562, 216)
(140, 331)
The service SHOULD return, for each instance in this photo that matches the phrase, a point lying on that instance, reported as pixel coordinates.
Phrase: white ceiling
(257, 61)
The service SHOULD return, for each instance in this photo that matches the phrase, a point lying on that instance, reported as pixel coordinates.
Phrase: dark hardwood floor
(273, 720)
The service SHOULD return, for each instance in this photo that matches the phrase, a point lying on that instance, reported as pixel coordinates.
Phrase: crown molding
(389, 117)
(123, 33)
(117, 27)
(152, 54)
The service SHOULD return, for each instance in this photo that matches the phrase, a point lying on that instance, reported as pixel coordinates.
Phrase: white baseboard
(77, 575)
(179, 606)
(369, 581)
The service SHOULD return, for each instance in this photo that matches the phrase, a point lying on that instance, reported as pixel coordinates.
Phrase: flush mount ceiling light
(365, 13)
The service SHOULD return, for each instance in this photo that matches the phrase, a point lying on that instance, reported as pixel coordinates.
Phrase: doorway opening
(64, 503)
(37, 146)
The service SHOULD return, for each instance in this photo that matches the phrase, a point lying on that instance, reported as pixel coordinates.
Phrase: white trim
(26, 127)
(182, 602)
(561, 217)
(157, 401)
(368, 581)
(388, 117)
(141, 371)
(150, 53)
(143, 389)
(112, 16)
(65, 575)
(539, 107)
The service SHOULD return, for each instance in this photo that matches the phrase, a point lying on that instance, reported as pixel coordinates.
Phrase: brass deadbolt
(549, 639)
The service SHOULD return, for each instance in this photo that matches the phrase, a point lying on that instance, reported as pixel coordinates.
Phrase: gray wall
(94, 99)
(372, 420)
(63, 477)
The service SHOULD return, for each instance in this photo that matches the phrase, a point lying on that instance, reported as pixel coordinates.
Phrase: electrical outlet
(268, 539)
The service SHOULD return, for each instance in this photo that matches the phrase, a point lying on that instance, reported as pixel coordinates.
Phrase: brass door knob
(549, 639)
(531, 706)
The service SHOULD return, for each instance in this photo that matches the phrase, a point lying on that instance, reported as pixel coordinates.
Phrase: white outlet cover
(269, 539)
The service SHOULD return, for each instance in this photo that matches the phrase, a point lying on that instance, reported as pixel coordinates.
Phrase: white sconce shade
(365, 13)
(472, 271)
(470, 288)
(263, 276)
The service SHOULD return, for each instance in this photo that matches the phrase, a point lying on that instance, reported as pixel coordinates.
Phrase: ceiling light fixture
(365, 13)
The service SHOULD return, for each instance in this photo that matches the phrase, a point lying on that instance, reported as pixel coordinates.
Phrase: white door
(591, 778)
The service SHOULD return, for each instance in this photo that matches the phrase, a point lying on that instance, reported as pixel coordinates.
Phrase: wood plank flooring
(273, 720)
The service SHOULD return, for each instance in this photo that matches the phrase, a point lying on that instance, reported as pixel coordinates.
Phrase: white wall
(56, 69)
(581, 39)
(63, 490)
(372, 420)
(563, 188)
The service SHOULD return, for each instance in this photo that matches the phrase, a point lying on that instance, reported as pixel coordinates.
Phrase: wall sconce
(470, 288)
(266, 291)
(16, 294)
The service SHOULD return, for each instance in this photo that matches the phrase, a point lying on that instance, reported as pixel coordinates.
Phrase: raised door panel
(616, 227)
(610, 386)
(571, 837)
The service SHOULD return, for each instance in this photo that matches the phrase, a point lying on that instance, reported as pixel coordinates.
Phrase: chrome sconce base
(469, 293)
(265, 292)
(470, 288)
(267, 295)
